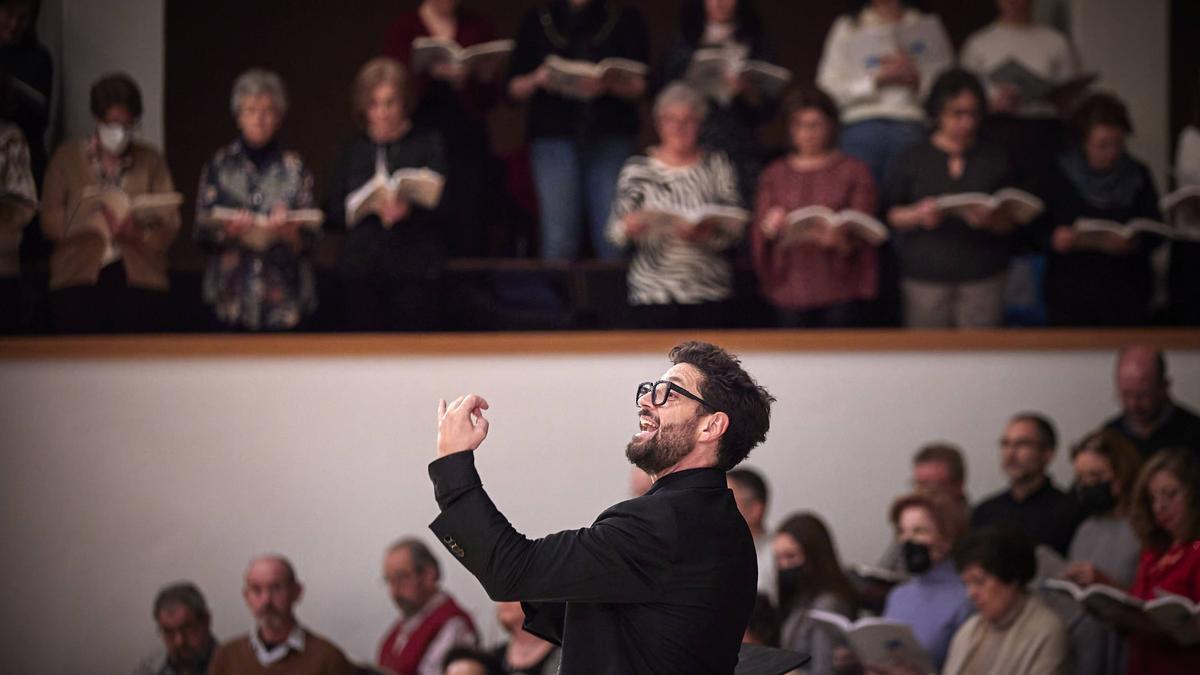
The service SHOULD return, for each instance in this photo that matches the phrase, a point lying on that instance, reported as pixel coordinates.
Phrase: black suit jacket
(660, 584)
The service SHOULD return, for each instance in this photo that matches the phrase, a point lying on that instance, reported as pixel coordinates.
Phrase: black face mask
(916, 558)
(1096, 500)
(792, 583)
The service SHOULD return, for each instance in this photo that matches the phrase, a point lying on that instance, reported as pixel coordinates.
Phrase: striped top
(674, 271)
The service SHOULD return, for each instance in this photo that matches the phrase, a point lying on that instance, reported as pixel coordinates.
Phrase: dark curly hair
(490, 663)
(950, 83)
(728, 388)
(116, 89)
(1003, 552)
(1099, 109)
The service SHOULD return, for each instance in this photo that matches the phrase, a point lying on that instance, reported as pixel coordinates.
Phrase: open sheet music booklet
(307, 218)
(807, 223)
(1020, 206)
(1175, 615)
(567, 76)
(428, 52)
(422, 187)
(711, 68)
(146, 209)
(725, 220)
(1033, 87)
(1097, 234)
(875, 640)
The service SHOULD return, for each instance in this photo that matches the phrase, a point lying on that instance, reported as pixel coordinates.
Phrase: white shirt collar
(294, 641)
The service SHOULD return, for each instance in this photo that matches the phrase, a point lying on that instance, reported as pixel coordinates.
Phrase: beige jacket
(80, 241)
(1035, 643)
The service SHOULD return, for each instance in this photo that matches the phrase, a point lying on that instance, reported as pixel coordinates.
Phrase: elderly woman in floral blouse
(259, 277)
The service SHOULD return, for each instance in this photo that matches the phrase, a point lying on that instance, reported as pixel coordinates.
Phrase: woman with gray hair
(683, 279)
(258, 277)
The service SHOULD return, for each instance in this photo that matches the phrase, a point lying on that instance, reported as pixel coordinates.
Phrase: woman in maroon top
(454, 102)
(1166, 515)
(831, 281)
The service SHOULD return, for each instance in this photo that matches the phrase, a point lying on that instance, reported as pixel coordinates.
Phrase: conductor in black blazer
(660, 584)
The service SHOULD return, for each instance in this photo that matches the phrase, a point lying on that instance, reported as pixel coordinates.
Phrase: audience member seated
(679, 279)
(1149, 417)
(830, 280)
(1031, 503)
(1105, 548)
(185, 626)
(880, 90)
(258, 276)
(1106, 282)
(469, 661)
(809, 576)
(1031, 129)
(577, 145)
(934, 601)
(736, 112)
(524, 653)
(108, 268)
(1183, 270)
(751, 494)
(26, 77)
(431, 623)
(392, 258)
(1012, 631)
(936, 467)
(454, 100)
(278, 643)
(953, 268)
(1166, 516)
(18, 205)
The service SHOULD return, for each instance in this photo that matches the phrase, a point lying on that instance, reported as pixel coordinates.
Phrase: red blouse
(806, 276)
(1176, 571)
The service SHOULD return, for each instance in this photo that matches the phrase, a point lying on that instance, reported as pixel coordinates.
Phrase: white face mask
(114, 138)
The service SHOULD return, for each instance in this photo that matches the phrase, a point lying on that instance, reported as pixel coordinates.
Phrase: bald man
(1149, 418)
(277, 643)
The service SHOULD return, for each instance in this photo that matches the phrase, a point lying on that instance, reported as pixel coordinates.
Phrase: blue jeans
(566, 173)
(879, 143)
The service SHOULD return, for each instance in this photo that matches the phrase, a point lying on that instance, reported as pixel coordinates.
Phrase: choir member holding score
(254, 214)
(827, 279)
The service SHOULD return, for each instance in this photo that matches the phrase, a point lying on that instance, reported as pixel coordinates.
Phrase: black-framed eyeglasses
(659, 392)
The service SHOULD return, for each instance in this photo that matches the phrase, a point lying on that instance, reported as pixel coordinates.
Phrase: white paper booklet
(422, 187)
(725, 220)
(567, 77)
(807, 223)
(428, 52)
(1020, 206)
(146, 209)
(711, 68)
(878, 641)
(1175, 615)
(307, 218)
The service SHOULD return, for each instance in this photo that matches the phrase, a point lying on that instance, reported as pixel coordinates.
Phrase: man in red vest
(430, 623)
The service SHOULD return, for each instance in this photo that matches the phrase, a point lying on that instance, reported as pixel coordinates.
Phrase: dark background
(317, 46)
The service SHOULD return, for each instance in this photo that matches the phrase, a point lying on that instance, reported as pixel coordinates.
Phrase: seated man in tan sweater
(278, 643)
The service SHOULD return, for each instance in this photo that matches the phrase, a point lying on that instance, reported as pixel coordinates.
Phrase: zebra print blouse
(674, 271)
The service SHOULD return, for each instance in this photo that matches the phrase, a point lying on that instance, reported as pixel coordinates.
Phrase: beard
(664, 449)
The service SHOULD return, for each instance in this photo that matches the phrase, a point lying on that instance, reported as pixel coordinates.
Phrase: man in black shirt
(660, 584)
(1149, 418)
(1031, 504)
